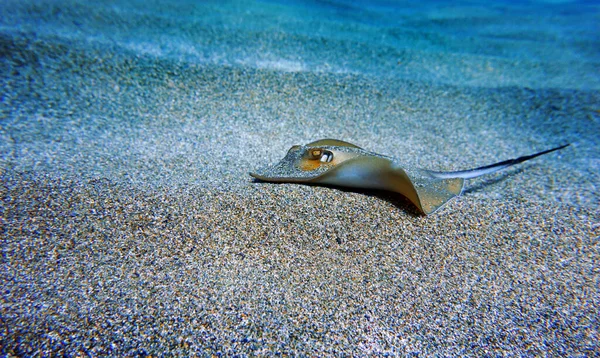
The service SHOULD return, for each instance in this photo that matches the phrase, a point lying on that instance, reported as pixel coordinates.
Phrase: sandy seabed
(130, 224)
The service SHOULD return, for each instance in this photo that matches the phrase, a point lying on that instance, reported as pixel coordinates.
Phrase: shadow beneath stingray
(398, 200)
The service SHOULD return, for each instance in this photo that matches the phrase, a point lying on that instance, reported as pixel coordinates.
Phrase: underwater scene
(299, 178)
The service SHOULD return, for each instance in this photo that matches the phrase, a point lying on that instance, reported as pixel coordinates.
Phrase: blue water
(539, 44)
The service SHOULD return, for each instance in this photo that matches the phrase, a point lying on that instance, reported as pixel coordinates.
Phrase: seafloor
(130, 224)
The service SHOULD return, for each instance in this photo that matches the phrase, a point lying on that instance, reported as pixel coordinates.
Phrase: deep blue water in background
(552, 44)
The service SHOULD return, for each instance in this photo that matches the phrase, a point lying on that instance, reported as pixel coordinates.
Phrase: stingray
(333, 162)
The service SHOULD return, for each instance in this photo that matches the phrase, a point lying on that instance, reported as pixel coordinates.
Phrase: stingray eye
(316, 153)
(327, 156)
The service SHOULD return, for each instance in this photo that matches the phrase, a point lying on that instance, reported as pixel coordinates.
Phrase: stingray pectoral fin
(370, 172)
(427, 193)
(434, 192)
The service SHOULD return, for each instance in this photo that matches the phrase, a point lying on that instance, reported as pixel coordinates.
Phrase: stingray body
(339, 163)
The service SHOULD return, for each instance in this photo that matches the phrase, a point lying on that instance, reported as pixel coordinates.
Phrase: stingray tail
(492, 168)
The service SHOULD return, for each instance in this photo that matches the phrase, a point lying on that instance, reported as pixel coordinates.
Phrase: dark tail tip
(549, 150)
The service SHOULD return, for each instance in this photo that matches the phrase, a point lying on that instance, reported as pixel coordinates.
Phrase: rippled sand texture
(130, 224)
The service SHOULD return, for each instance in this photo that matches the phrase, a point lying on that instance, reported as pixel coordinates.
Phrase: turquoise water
(549, 44)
